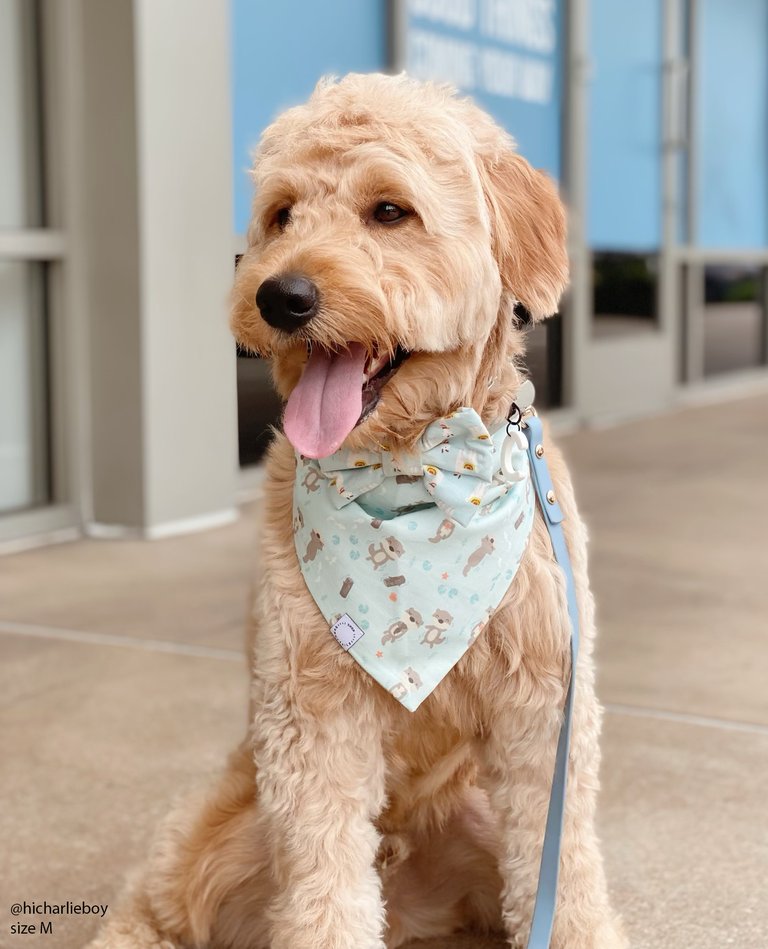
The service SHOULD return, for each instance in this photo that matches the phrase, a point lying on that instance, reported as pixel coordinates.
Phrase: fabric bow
(458, 464)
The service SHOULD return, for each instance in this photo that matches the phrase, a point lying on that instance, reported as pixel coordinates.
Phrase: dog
(395, 231)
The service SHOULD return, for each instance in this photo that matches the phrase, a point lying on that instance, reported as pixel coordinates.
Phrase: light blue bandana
(408, 556)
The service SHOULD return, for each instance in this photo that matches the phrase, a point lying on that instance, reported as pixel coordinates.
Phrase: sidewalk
(122, 684)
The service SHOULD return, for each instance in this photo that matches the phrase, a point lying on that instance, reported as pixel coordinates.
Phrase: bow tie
(457, 460)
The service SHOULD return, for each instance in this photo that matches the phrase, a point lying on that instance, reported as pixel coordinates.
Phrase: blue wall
(511, 64)
(625, 148)
(280, 48)
(732, 123)
(513, 67)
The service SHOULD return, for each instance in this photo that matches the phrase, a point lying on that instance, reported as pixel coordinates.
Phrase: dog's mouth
(337, 390)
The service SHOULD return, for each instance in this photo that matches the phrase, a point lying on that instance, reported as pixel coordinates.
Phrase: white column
(183, 82)
(163, 398)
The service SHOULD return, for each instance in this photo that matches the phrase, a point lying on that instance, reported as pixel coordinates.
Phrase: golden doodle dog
(394, 231)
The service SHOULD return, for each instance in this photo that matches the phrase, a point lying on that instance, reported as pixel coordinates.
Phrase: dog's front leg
(321, 782)
(519, 755)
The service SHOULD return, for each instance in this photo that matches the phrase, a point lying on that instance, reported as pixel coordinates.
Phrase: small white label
(346, 631)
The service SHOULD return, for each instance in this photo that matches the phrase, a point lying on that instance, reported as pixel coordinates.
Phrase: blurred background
(127, 129)
(131, 428)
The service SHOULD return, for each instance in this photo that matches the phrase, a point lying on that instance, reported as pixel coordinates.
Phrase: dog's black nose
(287, 302)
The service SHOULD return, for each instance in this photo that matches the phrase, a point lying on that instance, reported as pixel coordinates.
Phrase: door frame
(59, 247)
(689, 260)
(620, 377)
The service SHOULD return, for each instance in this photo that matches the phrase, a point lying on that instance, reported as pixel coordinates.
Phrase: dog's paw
(605, 934)
(394, 849)
(127, 934)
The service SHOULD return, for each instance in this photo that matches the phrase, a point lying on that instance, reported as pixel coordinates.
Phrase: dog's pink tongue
(326, 404)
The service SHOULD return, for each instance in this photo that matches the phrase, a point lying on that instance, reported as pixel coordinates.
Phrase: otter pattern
(433, 634)
(486, 547)
(444, 531)
(314, 547)
(478, 628)
(410, 681)
(413, 577)
(312, 480)
(411, 619)
(381, 554)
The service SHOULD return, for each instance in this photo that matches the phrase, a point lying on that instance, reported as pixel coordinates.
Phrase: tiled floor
(122, 684)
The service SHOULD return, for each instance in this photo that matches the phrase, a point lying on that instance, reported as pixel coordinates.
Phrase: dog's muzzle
(288, 302)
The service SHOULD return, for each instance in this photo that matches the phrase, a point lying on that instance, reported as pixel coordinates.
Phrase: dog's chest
(423, 763)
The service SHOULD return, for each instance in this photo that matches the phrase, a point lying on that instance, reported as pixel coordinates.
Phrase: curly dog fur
(344, 821)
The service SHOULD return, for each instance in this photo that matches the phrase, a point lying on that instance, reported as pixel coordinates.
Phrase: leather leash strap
(546, 894)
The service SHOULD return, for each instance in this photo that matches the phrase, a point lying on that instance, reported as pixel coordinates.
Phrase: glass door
(625, 135)
(29, 251)
(725, 252)
(23, 437)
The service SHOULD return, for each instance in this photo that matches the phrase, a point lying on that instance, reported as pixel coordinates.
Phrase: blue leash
(546, 894)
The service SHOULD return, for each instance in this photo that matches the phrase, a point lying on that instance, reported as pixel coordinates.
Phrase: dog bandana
(408, 556)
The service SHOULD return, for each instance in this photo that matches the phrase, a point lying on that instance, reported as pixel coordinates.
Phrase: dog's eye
(282, 217)
(387, 213)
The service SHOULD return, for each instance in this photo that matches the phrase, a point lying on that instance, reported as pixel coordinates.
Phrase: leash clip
(514, 447)
(517, 416)
(514, 418)
(522, 407)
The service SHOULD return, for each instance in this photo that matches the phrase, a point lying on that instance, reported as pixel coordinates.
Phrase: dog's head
(394, 228)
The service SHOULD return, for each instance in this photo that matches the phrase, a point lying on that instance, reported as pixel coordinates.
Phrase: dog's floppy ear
(528, 231)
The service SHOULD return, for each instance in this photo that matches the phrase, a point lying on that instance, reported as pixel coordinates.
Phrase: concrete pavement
(123, 684)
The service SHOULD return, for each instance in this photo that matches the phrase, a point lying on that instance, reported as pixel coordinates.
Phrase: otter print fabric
(407, 557)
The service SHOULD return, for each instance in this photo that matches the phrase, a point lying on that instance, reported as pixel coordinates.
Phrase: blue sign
(506, 54)
(279, 51)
